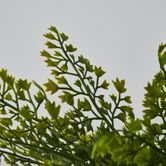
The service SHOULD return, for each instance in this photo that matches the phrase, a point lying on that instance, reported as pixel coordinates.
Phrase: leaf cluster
(33, 131)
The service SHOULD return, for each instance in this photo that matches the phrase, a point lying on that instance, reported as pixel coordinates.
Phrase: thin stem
(20, 158)
(8, 105)
(85, 86)
(16, 96)
(115, 108)
(89, 119)
(30, 99)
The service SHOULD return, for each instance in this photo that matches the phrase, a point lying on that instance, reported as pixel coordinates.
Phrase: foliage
(34, 130)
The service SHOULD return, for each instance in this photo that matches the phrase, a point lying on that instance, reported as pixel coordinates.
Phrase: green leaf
(3, 74)
(58, 54)
(54, 72)
(126, 108)
(127, 99)
(156, 128)
(61, 80)
(25, 112)
(70, 48)
(46, 54)
(151, 113)
(89, 67)
(119, 85)
(6, 122)
(51, 86)
(39, 97)
(121, 116)
(64, 67)
(143, 157)
(67, 97)
(10, 80)
(113, 97)
(135, 126)
(92, 82)
(153, 90)
(82, 59)
(50, 36)
(8, 96)
(104, 143)
(105, 105)
(63, 122)
(105, 84)
(51, 63)
(77, 83)
(99, 71)
(23, 84)
(101, 97)
(52, 109)
(53, 29)
(3, 145)
(2, 111)
(64, 37)
(21, 94)
(50, 45)
(161, 48)
(100, 147)
(162, 58)
(86, 105)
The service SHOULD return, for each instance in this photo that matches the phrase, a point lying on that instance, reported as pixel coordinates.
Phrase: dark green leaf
(82, 59)
(23, 84)
(67, 97)
(64, 67)
(21, 94)
(58, 54)
(51, 45)
(119, 85)
(89, 67)
(54, 72)
(64, 37)
(6, 122)
(51, 63)
(135, 126)
(61, 80)
(122, 116)
(127, 99)
(161, 48)
(126, 108)
(77, 83)
(153, 90)
(99, 71)
(113, 97)
(162, 58)
(3, 74)
(143, 157)
(10, 80)
(51, 86)
(105, 84)
(39, 97)
(86, 105)
(8, 96)
(52, 109)
(50, 36)
(53, 29)
(105, 105)
(70, 48)
(25, 112)
(46, 54)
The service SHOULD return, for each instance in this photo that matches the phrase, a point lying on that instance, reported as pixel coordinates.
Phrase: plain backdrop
(121, 36)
